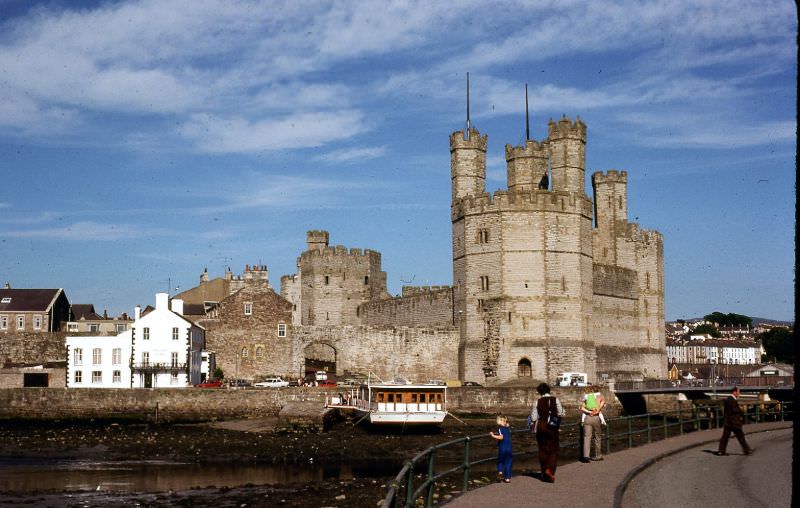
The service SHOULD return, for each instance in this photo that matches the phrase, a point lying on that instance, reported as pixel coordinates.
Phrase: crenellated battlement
(532, 148)
(531, 201)
(637, 234)
(340, 251)
(566, 128)
(421, 290)
(475, 141)
(611, 176)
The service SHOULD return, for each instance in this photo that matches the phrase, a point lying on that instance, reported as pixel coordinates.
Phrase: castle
(545, 280)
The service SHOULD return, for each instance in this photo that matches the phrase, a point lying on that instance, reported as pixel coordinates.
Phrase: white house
(162, 349)
(99, 362)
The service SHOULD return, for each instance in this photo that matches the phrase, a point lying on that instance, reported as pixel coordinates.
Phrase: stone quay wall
(196, 404)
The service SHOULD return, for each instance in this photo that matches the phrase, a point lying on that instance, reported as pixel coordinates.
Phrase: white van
(572, 379)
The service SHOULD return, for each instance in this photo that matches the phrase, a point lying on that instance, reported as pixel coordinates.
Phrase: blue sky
(141, 142)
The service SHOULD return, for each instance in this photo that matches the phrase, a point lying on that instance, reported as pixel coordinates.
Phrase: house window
(97, 356)
(20, 322)
(281, 330)
(78, 376)
(3, 322)
(248, 308)
(121, 327)
(37, 322)
(94, 328)
(260, 352)
(72, 327)
(77, 356)
(175, 333)
(97, 376)
(173, 379)
(484, 283)
(116, 376)
(116, 356)
(245, 352)
(174, 359)
(146, 333)
(145, 358)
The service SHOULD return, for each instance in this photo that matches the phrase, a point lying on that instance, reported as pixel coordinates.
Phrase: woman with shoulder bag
(546, 417)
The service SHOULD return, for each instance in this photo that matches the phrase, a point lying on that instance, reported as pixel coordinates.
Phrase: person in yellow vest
(592, 421)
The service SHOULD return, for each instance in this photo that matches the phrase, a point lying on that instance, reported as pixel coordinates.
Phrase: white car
(272, 382)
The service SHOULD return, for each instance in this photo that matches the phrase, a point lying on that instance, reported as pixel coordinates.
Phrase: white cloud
(240, 135)
(347, 156)
(82, 231)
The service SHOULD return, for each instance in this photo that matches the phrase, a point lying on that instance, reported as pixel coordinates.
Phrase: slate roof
(28, 300)
(85, 311)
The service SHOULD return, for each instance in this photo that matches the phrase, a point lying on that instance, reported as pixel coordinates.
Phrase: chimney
(177, 306)
(162, 301)
(8, 285)
(105, 313)
(137, 313)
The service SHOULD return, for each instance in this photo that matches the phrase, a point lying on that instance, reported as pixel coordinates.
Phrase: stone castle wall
(423, 307)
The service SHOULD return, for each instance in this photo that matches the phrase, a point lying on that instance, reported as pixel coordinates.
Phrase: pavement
(599, 484)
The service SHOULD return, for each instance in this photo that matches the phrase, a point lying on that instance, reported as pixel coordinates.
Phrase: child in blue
(503, 437)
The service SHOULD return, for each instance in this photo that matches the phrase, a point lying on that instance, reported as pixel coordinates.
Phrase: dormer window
(6, 299)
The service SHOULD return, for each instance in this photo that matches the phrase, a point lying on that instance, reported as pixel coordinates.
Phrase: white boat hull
(391, 418)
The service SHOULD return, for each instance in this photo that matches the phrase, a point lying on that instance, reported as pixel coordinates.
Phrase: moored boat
(394, 403)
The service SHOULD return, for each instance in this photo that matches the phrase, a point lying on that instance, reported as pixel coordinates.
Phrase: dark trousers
(547, 441)
(726, 433)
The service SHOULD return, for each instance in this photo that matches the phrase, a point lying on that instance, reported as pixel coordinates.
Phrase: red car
(214, 383)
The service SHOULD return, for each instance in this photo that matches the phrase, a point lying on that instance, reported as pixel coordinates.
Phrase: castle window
(480, 304)
(327, 280)
(248, 308)
(484, 283)
(483, 235)
(524, 368)
(366, 280)
(78, 377)
(281, 330)
(647, 279)
(245, 352)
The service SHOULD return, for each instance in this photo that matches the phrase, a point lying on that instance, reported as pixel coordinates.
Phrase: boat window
(422, 397)
(379, 396)
(390, 397)
(414, 398)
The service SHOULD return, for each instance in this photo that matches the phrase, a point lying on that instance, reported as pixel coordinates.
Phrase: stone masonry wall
(423, 308)
(29, 348)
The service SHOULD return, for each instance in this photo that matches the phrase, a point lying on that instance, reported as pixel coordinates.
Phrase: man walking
(732, 422)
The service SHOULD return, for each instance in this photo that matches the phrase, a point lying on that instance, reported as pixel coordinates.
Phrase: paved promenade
(610, 483)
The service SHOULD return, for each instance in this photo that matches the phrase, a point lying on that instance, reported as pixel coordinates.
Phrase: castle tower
(567, 141)
(468, 163)
(611, 217)
(316, 240)
(527, 166)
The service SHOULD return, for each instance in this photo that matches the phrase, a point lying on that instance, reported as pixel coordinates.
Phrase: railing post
(410, 485)
(664, 418)
(156, 413)
(431, 483)
(649, 429)
(630, 432)
(465, 484)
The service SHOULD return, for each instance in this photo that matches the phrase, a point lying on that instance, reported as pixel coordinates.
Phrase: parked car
(238, 383)
(438, 382)
(272, 382)
(212, 383)
(321, 375)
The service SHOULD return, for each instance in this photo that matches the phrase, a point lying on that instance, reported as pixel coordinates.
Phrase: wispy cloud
(83, 231)
(350, 155)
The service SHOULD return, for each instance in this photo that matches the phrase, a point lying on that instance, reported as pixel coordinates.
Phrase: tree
(218, 373)
(730, 319)
(706, 328)
(779, 344)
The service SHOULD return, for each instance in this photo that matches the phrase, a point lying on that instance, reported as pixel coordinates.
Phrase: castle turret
(611, 215)
(468, 163)
(567, 141)
(527, 166)
(316, 239)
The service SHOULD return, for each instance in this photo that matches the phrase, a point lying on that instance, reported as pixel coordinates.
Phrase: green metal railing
(416, 482)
